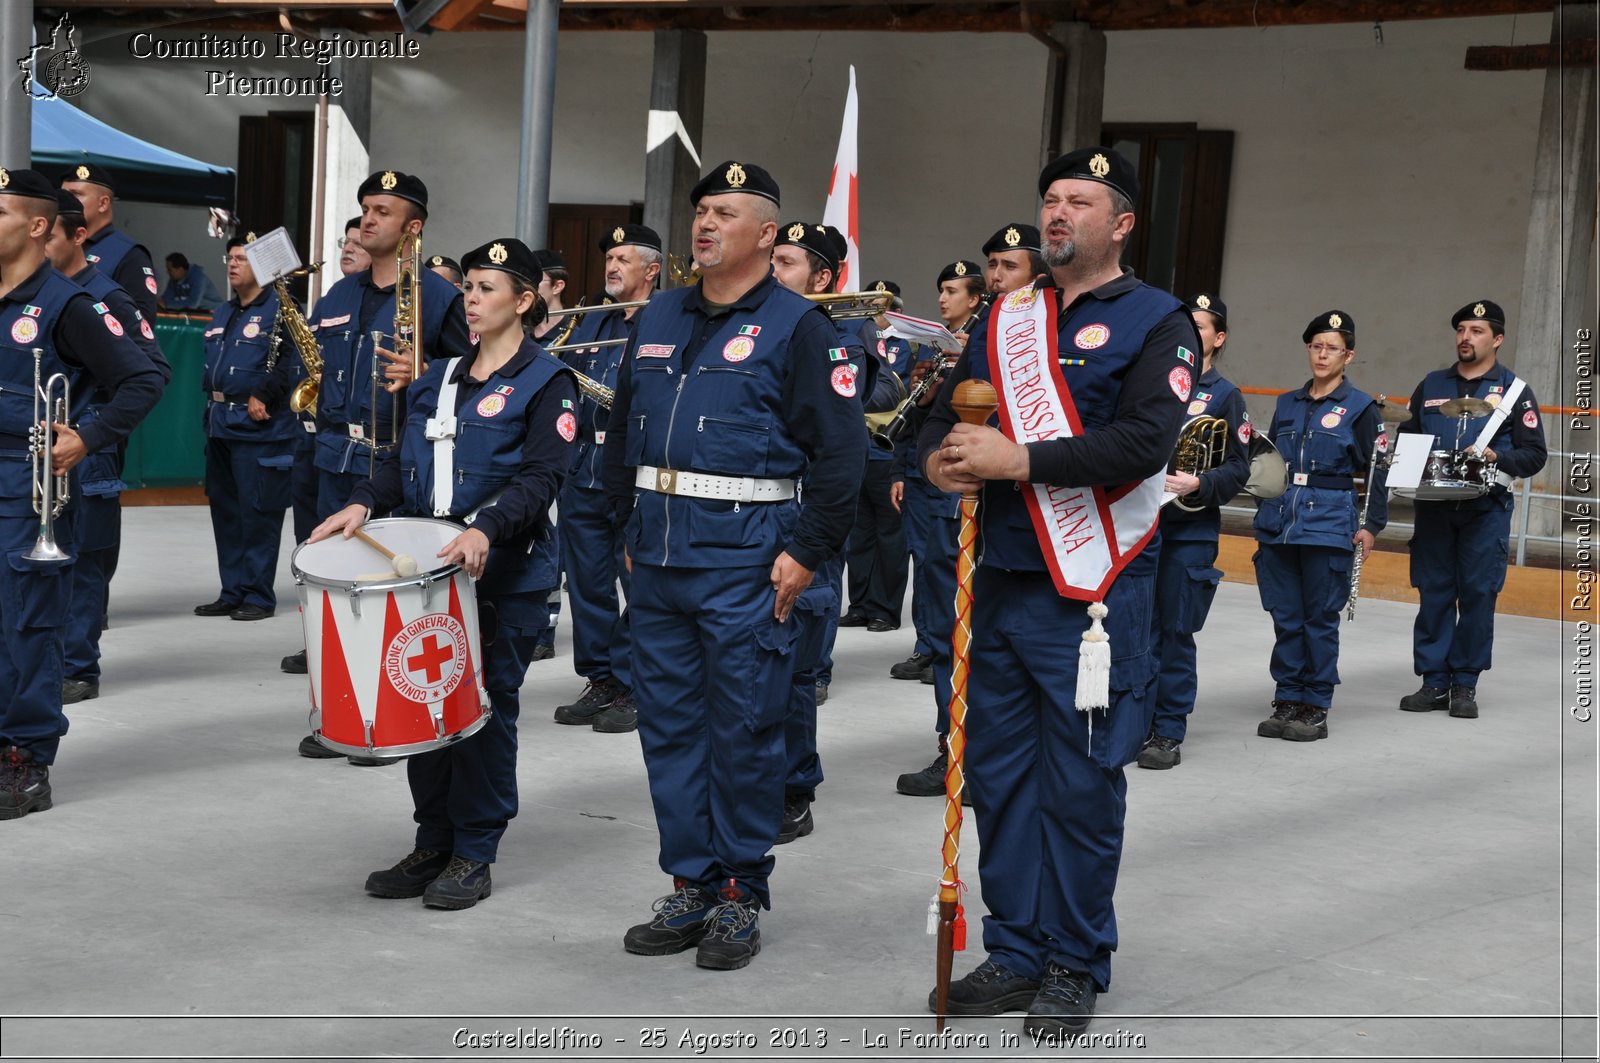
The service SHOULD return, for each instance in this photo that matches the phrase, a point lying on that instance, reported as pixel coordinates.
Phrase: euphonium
(1202, 446)
(304, 397)
(50, 493)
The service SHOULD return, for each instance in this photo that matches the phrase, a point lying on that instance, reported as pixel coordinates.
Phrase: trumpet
(50, 493)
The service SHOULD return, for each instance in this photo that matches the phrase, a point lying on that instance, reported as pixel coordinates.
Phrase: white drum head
(340, 560)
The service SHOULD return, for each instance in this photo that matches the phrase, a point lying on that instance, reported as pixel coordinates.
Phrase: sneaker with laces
(410, 877)
(929, 782)
(1282, 713)
(732, 931)
(1464, 702)
(914, 667)
(620, 717)
(1309, 724)
(1426, 699)
(24, 784)
(1064, 1004)
(461, 884)
(1161, 752)
(595, 699)
(679, 924)
(797, 821)
(988, 989)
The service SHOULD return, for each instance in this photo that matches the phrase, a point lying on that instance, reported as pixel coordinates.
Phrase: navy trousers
(98, 520)
(1304, 588)
(877, 549)
(713, 671)
(247, 484)
(465, 795)
(334, 490)
(1047, 780)
(1186, 582)
(1458, 565)
(817, 612)
(591, 557)
(303, 488)
(34, 599)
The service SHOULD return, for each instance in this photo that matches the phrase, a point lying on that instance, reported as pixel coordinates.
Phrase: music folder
(1411, 451)
(272, 255)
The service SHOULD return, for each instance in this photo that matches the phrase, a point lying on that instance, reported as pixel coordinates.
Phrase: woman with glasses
(1326, 431)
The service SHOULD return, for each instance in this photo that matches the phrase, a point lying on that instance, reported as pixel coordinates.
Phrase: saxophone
(304, 397)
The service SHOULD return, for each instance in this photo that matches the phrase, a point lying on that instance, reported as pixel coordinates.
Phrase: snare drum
(1451, 475)
(395, 663)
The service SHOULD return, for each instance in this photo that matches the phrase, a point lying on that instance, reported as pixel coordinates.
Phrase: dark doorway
(275, 159)
(1183, 212)
(575, 230)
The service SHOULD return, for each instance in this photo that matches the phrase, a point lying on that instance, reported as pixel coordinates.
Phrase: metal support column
(16, 111)
(538, 122)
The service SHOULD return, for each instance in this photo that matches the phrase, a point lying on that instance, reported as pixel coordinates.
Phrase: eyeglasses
(1323, 348)
(228, 260)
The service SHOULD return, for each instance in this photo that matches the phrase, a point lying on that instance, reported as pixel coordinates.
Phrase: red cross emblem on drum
(427, 658)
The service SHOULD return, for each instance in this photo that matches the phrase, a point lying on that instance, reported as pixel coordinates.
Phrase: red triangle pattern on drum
(399, 721)
(341, 712)
(462, 707)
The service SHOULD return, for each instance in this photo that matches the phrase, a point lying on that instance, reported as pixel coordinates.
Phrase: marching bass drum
(1269, 473)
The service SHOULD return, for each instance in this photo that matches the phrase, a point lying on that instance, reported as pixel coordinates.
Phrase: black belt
(1324, 480)
(8, 442)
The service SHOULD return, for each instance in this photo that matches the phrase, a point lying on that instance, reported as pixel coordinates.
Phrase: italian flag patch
(838, 354)
(749, 330)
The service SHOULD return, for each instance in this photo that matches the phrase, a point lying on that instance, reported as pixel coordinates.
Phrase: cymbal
(1466, 406)
(1393, 413)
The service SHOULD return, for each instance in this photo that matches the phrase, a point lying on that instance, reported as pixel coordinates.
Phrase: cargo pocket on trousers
(42, 592)
(1198, 593)
(771, 666)
(274, 478)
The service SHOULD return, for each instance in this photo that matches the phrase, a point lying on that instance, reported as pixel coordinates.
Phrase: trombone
(50, 493)
(843, 306)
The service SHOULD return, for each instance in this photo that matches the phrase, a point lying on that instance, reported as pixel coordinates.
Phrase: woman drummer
(1326, 432)
(510, 409)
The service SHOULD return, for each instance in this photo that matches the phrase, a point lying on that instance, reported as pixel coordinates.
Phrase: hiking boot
(679, 924)
(1161, 752)
(410, 877)
(989, 989)
(76, 690)
(1309, 724)
(914, 667)
(1282, 713)
(596, 698)
(294, 664)
(620, 717)
(797, 821)
(310, 747)
(732, 932)
(1065, 1003)
(1464, 702)
(929, 782)
(462, 884)
(1426, 699)
(24, 784)
(822, 693)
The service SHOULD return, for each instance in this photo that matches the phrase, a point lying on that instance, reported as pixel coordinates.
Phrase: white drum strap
(1501, 412)
(442, 430)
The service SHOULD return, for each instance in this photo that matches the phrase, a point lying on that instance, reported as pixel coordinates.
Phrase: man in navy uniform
(1012, 258)
(732, 391)
(251, 436)
(99, 512)
(1459, 550)
(112, 251)
(1092, 383)
(40, 309)
(591, 546)
(1188, 575)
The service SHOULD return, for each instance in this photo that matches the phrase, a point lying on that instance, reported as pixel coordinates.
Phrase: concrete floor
(1413, 886)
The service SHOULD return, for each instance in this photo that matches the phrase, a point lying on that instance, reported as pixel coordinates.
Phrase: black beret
(959, 270)
(30, 183)
(1211, 305)
(636, 235)
(824, 241)
(1332, 321)
(1093, 164)
(395, 183)
(735, 177)
(1014, 237)
(885, 286)
(67, 203)
(549, 260)
(88, 171)
(437, 261)
(508, 255)
(1482, 310)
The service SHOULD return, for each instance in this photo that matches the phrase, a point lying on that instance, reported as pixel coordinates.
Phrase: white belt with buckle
(356, 431)
(710, 485)
(1504, 479)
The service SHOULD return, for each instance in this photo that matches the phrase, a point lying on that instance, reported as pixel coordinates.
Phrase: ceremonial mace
(974, 402)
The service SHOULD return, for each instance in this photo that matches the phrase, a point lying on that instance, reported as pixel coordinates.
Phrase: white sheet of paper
(921, 331)
(272, 255)
(1410, 459)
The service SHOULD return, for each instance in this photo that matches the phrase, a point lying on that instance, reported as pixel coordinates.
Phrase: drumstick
(404, 564)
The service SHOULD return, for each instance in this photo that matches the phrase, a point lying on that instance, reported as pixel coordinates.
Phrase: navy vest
(724, 415)
(25, 326)
(1207, 400)
(1440, 386)
(600, 365)
(107, 252)
(238, 344)
(1115, 331)
(1317, 439)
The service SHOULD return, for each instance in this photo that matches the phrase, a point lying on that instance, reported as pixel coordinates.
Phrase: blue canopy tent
(64, 136)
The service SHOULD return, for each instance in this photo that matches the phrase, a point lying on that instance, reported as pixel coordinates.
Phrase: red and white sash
(1087, 534)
